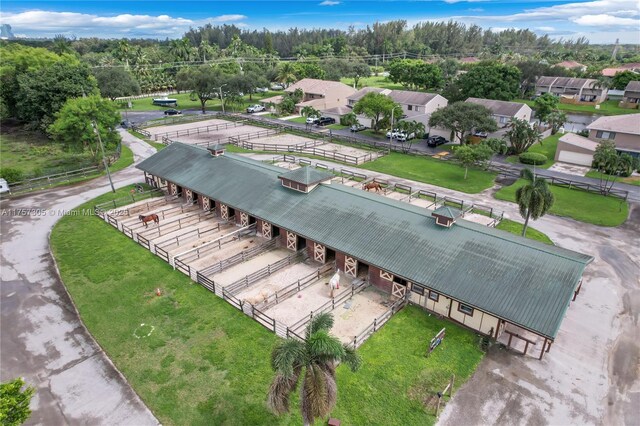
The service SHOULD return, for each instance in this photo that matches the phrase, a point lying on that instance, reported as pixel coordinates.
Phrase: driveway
(42, 338)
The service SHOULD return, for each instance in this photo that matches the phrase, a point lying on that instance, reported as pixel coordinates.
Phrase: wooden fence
(243, 256)
(44, 182)
(197, 130)
(245, 282)
(102, 208)
(376, 324)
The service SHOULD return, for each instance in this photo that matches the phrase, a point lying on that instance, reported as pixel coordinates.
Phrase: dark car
(323, 121)
(434, 141)
(172, 112)
(357, 127)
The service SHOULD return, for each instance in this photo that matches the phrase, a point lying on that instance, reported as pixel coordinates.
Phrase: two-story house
(622, 130)
(319, 94)
(572, 90)
(631, 96)
(503, 112)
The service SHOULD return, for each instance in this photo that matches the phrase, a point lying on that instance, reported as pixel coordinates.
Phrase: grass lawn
(579, 205)
(435, 172)
(302, 120)
(516, 228)
(606, 108)
(396, 377)
(199, 361)
(157, 145)
(548, 147)
(375, 81)
(33, 154)
(336, 126)
(631, 180)
(185, 102)
(369, 132)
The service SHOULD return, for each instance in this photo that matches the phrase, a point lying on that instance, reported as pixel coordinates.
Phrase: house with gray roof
(622, 130)
(572, 90)
(503, 112)
(480, 277)
(631, 96)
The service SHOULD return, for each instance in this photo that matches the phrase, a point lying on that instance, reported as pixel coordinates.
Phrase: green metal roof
(446, 211)
(307, 175)
(523, 281)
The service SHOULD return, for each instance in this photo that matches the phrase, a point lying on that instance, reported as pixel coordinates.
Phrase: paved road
(42, 338)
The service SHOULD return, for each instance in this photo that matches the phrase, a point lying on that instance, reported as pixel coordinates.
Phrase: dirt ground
(342, 149)
(236, 272)
(263, 289)
(357, 313)
(478, 218)
(309, 299)
(397, 196)
(219, 135)
(227, 250)
(192, 242)
(159, 130)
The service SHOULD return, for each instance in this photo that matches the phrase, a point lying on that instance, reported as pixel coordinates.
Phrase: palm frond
(280, 392)
(329, 371)
(323, 347)
(314, 394)
(352, 358)
(323, 321)
(288, 355)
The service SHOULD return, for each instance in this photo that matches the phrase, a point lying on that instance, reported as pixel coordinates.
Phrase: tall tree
(534, 198)
(203, 81)
(124, 51)
(621, 79)
(286, 74)
(116, 82)
(606, 161)
(521, 135)
(379, 108)
(62, 45)
(312, 362)
(556, 120)
(491, 80)
(74, 124)
(462, 118)
(544, 105)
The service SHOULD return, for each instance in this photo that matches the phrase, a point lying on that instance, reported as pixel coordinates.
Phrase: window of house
(467, 310)
(434, 296)
(410, 107)
(605, 135)
(417, 289)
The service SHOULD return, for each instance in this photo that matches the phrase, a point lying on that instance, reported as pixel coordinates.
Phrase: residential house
(503, 112)
(611, 72)
(631, 96)
(622, 130)
(575, 149)
(319, 94)
(572, 66)
(572, 90)
(416, 106)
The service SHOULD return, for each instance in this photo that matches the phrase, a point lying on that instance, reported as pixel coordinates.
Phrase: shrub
(11, 175)
(532, 158)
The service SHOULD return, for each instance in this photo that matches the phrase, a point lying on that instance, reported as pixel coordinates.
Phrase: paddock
(355, 314)
(479, 218)
(228, 247)
(300, 305)
(192, 237)
(237, 272)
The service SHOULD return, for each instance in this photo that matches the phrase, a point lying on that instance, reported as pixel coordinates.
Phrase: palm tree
(286, 74)
(315, 361)
(534, 198)
(124, 50)
(309, 111)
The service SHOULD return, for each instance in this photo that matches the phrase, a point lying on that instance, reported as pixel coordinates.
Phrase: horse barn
(506, 287)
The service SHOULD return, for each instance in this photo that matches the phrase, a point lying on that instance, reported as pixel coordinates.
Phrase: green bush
(534, 158)
(11, 175)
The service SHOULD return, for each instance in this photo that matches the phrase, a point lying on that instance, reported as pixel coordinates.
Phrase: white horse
(334, 283)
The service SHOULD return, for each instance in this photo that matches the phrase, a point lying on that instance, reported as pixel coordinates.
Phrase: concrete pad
(241, 270)
(311, 298)
(362, 309)
(261, 290)
(571, 169)
(478, 218)
(400, 196)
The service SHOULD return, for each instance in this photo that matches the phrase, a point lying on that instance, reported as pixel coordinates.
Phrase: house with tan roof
(319, 94)
(622, 130)
(416, 106)
(572, 90)
(572, 66)
(631, 96)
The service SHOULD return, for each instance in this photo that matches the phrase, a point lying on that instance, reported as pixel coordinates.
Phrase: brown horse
(149, 218)
(372, 185)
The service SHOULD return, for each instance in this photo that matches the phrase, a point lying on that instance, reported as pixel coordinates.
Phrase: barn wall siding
(340, 260)
(378, 281)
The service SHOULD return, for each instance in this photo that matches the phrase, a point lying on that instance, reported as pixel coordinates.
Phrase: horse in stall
(149, 218)
(372, 185)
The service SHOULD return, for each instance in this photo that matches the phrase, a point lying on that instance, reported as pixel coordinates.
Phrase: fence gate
(224, 211)
(319, 252)
(189, 194)
(206, 204)
(266, 230)
(350, 266)
(291, 240)
(398, 290)
(244, 219)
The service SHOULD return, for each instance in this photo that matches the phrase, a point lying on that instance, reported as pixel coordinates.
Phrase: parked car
(312, 119)
(357, 127)
(277, 87)
(434, 141)
(323, 121)
(403, 137)
(4, 186)
(255, 108)
(262, 89)
(481, 134)
(172, 112)
(393, 133)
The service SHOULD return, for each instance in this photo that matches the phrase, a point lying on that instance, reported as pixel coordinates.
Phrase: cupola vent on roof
(216, 150)
(304, 179)
(446, 216)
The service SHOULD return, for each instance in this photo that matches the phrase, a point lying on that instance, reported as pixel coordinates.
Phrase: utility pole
(221, 99)
(614, 54)
(104, 158)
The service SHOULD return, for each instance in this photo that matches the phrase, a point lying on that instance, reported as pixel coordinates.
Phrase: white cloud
(329, 3)
(47, 23)
(545, 29)
(605, 20)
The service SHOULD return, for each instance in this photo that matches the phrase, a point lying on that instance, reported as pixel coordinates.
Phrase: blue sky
(601, 21)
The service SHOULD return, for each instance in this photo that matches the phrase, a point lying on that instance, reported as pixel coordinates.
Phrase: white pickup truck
(255, 108)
